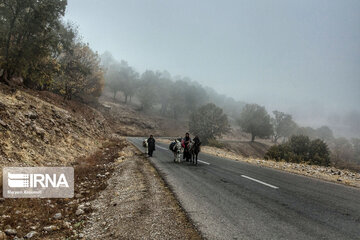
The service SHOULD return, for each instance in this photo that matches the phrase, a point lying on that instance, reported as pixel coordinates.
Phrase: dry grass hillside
(239, 143)
(126, 119)
(37, 128)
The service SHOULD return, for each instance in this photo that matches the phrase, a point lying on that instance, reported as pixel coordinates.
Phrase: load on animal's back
(176, 148)
(172, 145)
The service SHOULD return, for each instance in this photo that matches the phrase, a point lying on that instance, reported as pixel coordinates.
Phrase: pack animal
(176, 148)
(145, 145)
(194, 150)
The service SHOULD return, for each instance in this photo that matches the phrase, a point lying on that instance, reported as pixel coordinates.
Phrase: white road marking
(161, 147)
(258, 181)
(203, 162)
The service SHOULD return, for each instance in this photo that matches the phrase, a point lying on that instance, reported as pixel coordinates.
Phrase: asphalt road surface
(235, 200)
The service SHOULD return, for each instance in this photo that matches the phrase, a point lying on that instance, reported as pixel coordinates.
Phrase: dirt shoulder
(331, 174)
(61, 218)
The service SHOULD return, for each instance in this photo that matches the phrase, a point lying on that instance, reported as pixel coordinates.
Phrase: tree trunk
(65, 94)
(253, 137)
(7, 44)
(4, 77)
(130, 99)
(126, 98)
(163, 109)
(114, 95)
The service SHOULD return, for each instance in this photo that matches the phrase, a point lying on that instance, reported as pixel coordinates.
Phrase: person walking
(151, 145)
(185, 143)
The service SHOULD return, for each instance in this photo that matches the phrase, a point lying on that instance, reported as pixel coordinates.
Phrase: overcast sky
(283, 54)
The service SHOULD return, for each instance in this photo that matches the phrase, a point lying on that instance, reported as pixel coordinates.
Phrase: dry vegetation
(128, 120)
(39, 128)
(37, 132)
(38, 215)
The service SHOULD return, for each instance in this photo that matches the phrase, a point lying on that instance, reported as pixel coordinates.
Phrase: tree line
(256, 121)
(298, 144)
(40, 51)
(172, 96)
(210, 113)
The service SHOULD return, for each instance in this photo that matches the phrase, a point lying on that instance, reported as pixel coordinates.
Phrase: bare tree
(283, 125)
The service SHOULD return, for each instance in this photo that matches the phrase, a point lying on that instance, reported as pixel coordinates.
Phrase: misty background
(300, 57)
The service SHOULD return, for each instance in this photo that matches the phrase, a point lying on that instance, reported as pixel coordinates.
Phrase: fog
(301, 57)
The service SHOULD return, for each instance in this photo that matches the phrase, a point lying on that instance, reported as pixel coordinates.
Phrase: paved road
(235, 200)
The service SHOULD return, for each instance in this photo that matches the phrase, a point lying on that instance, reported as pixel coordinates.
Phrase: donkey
(195, 149)
(187, 151)
(145, 145)
(176, 149)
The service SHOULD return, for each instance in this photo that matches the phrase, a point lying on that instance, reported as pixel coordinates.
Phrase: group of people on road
(184, 143)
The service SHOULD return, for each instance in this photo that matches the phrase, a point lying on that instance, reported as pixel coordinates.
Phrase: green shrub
(301, 149)
(300, 145)
(277, 152)
(319, 153)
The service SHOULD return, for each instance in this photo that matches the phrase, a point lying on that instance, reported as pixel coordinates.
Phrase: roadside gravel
(137, 205)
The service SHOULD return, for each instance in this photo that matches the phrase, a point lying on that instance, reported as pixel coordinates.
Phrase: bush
(277, 152)
(212, 142)
(319, 153)
(345, 153)
(300, 145)
(301, 149)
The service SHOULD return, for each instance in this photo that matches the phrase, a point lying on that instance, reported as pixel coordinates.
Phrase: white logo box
(38, 182)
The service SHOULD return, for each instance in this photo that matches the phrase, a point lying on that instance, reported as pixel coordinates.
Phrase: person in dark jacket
(185, 143)
(151, 145)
